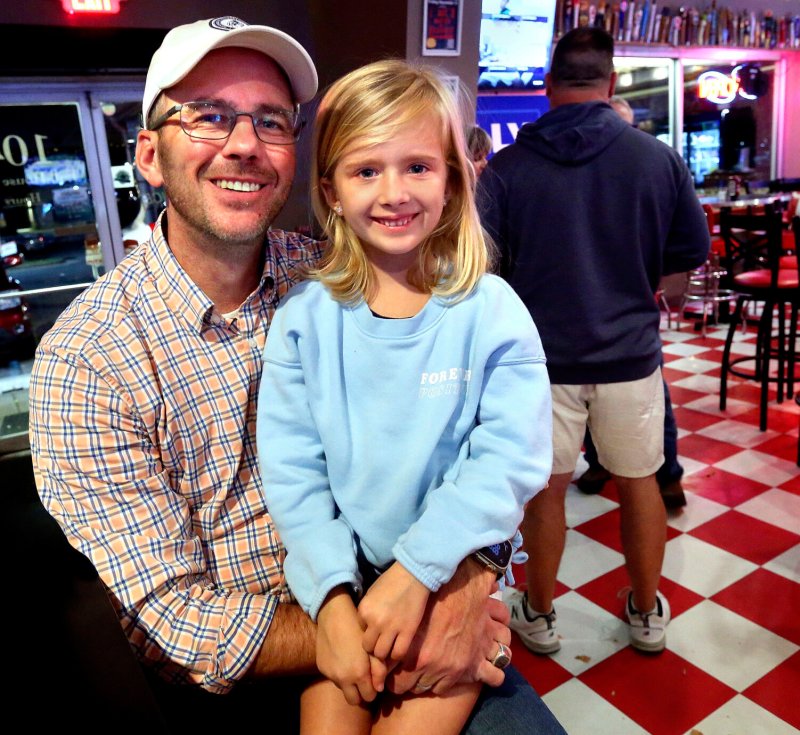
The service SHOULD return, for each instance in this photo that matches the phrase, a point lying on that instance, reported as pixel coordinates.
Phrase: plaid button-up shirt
(143, 417)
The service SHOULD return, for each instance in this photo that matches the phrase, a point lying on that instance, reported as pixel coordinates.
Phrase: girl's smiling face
(392, 194)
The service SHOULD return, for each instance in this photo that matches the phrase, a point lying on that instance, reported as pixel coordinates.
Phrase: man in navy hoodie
(589, 213)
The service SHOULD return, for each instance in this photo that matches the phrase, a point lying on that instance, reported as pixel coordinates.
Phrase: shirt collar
(181, 294)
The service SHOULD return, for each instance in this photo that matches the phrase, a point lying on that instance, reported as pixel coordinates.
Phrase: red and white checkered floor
(731, 573)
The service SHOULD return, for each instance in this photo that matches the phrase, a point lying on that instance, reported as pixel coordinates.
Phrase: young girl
(404, 413)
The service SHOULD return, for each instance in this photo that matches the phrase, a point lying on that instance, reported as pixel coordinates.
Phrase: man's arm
(688, 241)
(290, 646)
(102, 477)
(458, 635)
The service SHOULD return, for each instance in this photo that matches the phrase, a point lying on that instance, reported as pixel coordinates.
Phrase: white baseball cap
(183, 48)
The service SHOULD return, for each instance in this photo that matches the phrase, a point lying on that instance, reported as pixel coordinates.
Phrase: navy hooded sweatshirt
(588, 214)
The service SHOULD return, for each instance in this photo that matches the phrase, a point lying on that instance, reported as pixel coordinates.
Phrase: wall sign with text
(95, 7)
(441, 31)
(502, 115)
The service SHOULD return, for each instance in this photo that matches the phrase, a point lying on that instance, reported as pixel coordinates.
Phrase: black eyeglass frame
(297, 127)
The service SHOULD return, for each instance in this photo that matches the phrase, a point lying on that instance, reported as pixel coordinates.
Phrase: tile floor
(731, 573)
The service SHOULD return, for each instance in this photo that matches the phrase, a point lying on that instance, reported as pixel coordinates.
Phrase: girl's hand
(379, 671)
(340, 654)
(391, 612)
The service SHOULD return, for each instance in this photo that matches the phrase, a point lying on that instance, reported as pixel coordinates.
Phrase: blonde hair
(367, 107)
(479, 144)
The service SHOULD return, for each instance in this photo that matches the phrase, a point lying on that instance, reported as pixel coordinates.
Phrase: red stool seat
(751, 280)
(753, 241)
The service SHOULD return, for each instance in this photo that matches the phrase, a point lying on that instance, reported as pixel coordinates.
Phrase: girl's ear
(329, 192)
(448, 190)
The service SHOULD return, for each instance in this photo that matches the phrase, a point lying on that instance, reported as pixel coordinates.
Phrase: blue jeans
(671, 470)
(513, 708)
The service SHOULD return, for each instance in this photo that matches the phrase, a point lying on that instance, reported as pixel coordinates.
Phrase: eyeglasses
(216, 120)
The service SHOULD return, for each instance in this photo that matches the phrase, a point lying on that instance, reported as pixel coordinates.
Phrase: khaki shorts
(626, 421)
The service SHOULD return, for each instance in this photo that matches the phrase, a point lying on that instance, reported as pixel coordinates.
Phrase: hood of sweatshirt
(573, 134)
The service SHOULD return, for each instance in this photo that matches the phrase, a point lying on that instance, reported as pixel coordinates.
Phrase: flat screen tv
(515, 41)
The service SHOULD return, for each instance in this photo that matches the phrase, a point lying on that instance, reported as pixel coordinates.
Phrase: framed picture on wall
(441, 29)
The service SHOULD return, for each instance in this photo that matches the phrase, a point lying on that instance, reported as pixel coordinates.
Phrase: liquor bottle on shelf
(705, 23)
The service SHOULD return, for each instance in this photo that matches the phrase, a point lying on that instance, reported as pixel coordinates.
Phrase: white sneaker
(536, 630)
(648, 630)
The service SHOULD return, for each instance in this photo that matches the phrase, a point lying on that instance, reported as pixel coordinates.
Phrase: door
(71, 206)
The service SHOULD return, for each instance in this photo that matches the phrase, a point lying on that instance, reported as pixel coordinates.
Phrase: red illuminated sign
(717, 87)
(103, 7)
(721, 89)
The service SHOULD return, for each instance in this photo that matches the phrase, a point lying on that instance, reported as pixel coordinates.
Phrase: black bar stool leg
(764, 352)
(726, 353)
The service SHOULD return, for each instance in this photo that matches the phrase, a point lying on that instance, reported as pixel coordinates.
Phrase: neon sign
(717, 87)
(103, 7)
(720, 88)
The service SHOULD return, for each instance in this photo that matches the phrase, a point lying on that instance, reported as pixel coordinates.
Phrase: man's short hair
(583, 57)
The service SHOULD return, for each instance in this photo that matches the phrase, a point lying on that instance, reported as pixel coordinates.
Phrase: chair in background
(663, 304)
(703, 287)
(703, 284)
(784, 185)
(797, 401)
(752, 259)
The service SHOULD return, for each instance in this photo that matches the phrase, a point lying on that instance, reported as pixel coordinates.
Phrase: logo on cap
(227, 23)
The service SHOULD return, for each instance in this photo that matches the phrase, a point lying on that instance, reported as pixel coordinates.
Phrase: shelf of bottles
(651, 22)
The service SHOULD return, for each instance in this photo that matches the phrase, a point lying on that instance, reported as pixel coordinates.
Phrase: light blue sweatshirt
(417, 440)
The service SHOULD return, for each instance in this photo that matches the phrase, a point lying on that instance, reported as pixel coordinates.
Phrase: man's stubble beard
(189, 207)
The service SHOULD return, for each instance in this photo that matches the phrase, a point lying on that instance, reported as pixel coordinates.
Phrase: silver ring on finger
(503, 656)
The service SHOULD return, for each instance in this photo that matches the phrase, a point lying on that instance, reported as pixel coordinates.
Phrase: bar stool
(703, 286)
(797, 401)
(753, 250)
(661, 300)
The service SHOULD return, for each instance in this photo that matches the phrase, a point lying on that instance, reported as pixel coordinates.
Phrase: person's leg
(670, 473)
(325, 711)
(671, 469)
(643, 527)
(544, 529)
(628, 422)
(413, 714)
(513, 708)
(544, 526)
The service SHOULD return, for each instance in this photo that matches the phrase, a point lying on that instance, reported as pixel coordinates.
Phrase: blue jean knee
(513, 708)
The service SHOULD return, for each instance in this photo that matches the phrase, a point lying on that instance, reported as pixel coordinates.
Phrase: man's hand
(390, 613)
(340, 655)
(458, 635)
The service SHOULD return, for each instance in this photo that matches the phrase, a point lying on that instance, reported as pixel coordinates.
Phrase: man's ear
(147, 157)
(329, 192)
(612, 84)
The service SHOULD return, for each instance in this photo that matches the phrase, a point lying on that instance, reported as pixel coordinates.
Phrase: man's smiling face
(228, 191)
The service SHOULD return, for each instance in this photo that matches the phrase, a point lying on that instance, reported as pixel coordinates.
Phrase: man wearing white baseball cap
(143, 408)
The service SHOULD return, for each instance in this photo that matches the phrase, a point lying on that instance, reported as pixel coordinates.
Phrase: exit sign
(102, 7)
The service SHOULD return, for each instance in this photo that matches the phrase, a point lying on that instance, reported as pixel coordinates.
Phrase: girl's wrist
(339, 599)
